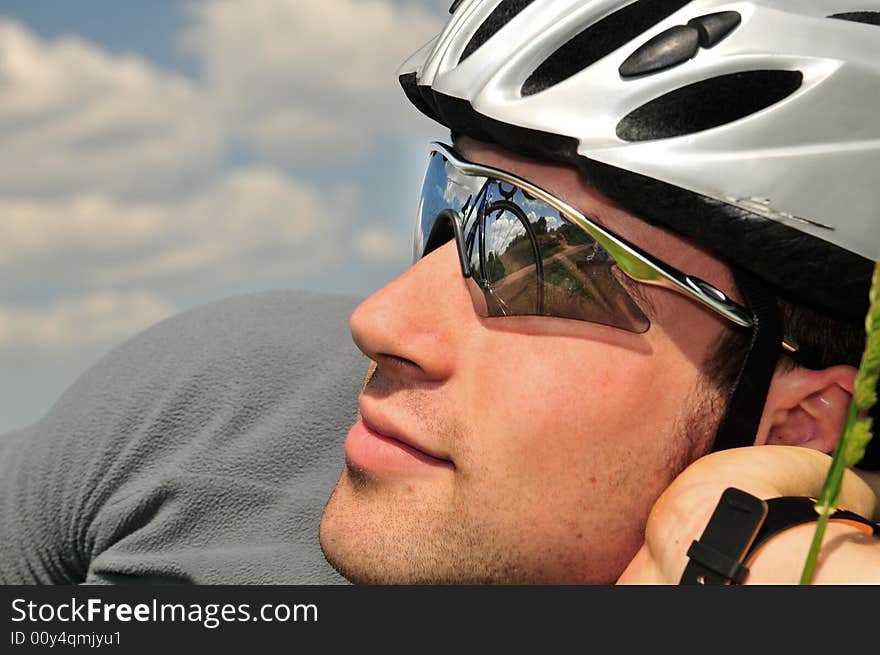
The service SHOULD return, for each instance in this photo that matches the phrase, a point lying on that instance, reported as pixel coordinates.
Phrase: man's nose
(411, 325)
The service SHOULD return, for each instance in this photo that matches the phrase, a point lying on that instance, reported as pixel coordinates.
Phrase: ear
(806, 407)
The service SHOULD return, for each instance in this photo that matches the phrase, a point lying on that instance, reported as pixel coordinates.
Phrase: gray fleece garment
(201, 450)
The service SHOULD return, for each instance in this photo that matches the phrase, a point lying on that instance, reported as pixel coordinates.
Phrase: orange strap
(789, 512)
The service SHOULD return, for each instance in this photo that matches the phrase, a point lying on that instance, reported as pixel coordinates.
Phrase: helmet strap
(742, 416)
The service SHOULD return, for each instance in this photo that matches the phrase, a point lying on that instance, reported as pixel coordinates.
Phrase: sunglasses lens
(527, 258)
(444, 188)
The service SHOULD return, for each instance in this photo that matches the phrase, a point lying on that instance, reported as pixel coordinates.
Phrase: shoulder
(249, 321)
(218, 377)
(251, 337)
(240, 404)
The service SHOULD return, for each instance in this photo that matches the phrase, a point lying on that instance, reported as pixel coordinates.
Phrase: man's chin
(370, 538)
(340, 525)
(352, 562)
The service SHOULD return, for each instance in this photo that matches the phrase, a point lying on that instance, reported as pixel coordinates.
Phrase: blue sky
(159, 155)
(146, 28)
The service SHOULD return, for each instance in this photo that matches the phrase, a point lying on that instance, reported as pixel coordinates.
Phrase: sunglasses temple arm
(712, 298)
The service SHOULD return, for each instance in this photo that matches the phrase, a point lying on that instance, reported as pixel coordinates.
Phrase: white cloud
(502, 230)
(75, 322)
(379, 244)
(351, 46)
(112, 170)
(299, 83)
(309, 81)
(73, 116)
(250, 224)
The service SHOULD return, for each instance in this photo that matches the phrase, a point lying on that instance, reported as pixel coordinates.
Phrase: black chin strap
(739, 425)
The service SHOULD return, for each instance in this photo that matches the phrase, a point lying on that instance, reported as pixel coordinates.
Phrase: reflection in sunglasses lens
(526, 257)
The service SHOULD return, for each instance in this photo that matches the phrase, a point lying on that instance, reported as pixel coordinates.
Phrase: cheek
(562, 422)
(569, 444)
(558, 402)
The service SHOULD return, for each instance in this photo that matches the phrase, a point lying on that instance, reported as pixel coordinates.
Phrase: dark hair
(822, 341)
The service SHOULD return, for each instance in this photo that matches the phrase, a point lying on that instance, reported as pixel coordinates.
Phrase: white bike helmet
(752, 127)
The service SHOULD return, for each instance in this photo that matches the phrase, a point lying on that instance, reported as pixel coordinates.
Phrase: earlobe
(807, 408)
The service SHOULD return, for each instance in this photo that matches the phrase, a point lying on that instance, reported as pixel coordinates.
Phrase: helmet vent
(869, 17)
(501, 16)
(598, 40)
(707, 104)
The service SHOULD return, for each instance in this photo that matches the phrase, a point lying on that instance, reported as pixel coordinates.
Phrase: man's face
(518, 449)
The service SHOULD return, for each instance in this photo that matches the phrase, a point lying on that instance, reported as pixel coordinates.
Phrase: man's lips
(371, 447)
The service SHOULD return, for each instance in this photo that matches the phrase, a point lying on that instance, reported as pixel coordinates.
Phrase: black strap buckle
(717, 558)
(717, 562)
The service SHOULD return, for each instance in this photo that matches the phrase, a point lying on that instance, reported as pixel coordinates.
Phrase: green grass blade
(857, 429)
